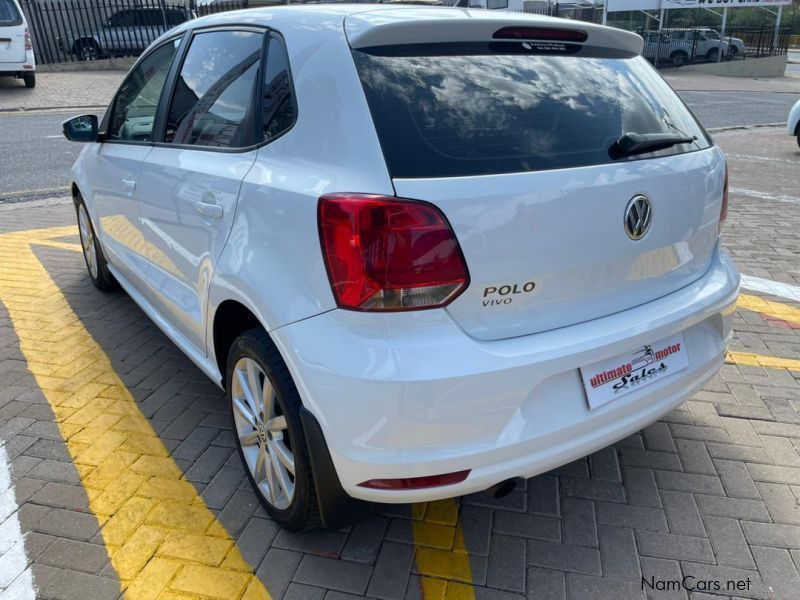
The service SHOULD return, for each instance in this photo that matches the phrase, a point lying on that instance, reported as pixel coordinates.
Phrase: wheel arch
(231, 319)
(78, 42)
(76, 193)
(80, 186)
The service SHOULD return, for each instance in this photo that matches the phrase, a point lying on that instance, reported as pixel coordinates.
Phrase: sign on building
(624, 5)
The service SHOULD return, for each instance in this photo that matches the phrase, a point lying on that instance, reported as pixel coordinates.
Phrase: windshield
(9, 14)
(459, 115)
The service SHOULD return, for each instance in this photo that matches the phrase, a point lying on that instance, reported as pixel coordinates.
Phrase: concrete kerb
(104, 64)
(23, 110)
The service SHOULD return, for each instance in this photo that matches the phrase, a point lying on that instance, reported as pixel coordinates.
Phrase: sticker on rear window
(534, 47)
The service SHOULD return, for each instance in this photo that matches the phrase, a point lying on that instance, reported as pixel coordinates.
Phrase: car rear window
(9, 14)
(445, 113)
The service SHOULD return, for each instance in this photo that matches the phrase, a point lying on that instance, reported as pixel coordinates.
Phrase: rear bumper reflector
(416, 483)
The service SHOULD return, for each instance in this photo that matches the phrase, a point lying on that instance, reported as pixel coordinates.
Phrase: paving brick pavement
(710, 492)
(61, 90)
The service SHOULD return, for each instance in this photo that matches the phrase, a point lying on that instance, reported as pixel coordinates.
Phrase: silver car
(126, 33)
(702, 43)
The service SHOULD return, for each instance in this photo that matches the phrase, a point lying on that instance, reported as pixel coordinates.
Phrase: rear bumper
(22, 67)
(410, 394)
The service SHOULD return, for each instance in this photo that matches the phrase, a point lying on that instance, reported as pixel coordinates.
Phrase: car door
(114, 37)
(191, 181)
(115, 171)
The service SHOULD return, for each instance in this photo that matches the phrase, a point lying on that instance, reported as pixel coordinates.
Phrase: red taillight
(723, 213)
(416, 483)
(541, 33)
(389, 254)
(28, 43)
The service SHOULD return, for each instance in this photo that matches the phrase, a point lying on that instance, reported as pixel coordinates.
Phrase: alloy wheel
(89, 52)
(263, 433)
(87, 241)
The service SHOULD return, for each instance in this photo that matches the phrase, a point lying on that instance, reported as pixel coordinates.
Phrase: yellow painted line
(777, 310)
(441, 552)
(161, 537)
(760, 360)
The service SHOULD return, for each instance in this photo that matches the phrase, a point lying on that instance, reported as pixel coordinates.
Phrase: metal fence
(73, 30)
(672, 48)
(76, 30)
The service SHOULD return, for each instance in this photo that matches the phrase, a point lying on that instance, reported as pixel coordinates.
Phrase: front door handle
(130, 184)
(207, 209)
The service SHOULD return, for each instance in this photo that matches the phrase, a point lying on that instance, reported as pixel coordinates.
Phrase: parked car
(735, 45)
(659, 48)
(16, 49)
(703, 43)
(793, 123)
(425, 251)
(126, 33)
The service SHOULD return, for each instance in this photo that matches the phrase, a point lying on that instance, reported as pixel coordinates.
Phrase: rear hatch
(12, 33)
(514, 142)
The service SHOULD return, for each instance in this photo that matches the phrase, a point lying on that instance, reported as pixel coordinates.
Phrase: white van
(16, 49)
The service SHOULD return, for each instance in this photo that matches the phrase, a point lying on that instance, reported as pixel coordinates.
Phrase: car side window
(123, 18)
(213, 102)
(143, 18)
(9, 15)
(279, 108)
(151, 18)
(136, 103)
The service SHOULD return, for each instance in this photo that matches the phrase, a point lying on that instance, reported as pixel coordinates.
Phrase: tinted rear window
(9, 15)
(450, 115)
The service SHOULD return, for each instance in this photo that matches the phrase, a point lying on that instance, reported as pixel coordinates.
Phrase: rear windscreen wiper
(637, 143)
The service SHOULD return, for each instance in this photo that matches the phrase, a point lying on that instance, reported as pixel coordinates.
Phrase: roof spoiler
(394, 27)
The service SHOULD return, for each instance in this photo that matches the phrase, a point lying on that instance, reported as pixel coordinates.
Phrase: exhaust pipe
(502, 489)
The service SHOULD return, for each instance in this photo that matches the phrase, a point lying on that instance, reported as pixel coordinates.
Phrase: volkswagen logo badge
(638, 215)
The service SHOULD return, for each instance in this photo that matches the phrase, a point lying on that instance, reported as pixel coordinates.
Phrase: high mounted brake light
(389, 254)
(541, 33)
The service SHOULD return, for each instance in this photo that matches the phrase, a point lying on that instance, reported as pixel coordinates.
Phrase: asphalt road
(33, 153)
(728, 109)
(36, 159)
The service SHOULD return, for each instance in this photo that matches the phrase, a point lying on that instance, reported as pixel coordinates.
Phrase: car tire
(93, 256)
(87, 50)
(711, 55)
(265, 413)
(678, 59)
(29, 79)
(798, 139)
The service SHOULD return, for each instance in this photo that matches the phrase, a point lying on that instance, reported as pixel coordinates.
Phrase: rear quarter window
(9, 14)
(445, 114)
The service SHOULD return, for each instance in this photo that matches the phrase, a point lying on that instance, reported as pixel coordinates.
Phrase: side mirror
(81, 129)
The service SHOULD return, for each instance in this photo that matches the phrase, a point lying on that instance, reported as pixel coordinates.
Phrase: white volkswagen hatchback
(424, 250)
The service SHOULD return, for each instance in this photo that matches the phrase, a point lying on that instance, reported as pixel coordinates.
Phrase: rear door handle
(207, 209)
(129, 184)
